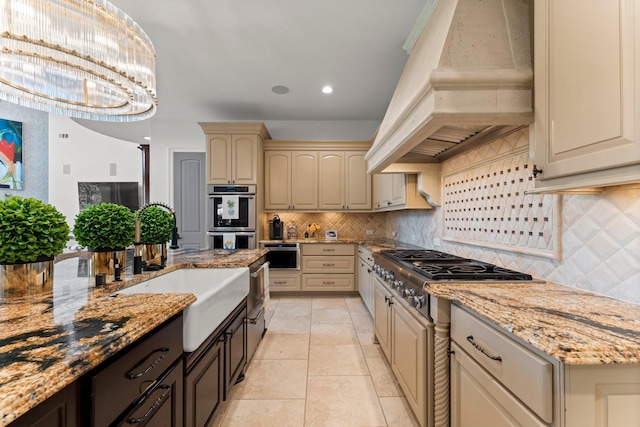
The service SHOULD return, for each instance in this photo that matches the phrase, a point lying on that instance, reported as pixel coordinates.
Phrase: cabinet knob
(536, 171)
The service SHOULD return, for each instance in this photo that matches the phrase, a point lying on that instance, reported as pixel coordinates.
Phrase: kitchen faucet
(137, 259)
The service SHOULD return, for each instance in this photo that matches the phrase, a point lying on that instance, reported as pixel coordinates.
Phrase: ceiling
(218, 60)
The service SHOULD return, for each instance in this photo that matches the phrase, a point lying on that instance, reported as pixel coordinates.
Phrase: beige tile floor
(318, 366)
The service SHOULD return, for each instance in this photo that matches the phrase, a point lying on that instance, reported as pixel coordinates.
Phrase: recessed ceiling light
(327, 89)
(147, 138)
(280, 90)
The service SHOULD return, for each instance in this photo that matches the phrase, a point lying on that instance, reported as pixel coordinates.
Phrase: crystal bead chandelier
(79, 58)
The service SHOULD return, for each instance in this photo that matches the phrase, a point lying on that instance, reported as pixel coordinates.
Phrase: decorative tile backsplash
(488, 205)
(599, 234)
(348, 225)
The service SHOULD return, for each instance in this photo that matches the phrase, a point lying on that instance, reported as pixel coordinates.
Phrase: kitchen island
(50, 340)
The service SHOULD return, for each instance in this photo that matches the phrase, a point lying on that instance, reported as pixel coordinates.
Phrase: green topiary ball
(156, 225)
(105, 226)
(30, 230)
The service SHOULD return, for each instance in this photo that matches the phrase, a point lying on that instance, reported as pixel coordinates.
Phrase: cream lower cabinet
(587, 102)
(382, 301)
(328, 267)
(498, 381)
(284, 281)
(403, 338)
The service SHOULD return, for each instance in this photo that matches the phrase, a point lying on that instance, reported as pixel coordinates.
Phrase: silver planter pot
(23, 279)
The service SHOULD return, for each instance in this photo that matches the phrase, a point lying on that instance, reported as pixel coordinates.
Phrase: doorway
(189, 198)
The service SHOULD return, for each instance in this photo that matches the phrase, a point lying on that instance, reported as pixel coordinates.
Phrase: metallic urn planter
(22, 279)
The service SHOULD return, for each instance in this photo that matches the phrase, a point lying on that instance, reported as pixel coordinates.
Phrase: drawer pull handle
(164, 352)
(280, 282)
(482, 350)
(328, 250)
(154, 407)
(328, 265)
(328, 283)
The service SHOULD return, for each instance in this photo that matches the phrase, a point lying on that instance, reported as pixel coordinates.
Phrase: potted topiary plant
(156, 226)
(32, 233)
(106, 230)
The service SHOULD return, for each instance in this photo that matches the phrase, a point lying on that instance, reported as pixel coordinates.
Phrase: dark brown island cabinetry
(212, 369)
(135, 385)
(60, 410)
(153, 382)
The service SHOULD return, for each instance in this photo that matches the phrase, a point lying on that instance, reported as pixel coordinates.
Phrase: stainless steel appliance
(275, 228)
(283, 256)
(256, 324)
(242, 224)
(403, 273)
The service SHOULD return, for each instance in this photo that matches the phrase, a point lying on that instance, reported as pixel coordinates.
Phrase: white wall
(88, 155)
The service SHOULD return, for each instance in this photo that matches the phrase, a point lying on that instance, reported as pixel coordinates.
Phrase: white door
(189, 199)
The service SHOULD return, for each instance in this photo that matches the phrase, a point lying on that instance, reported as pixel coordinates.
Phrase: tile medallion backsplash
(599, 235)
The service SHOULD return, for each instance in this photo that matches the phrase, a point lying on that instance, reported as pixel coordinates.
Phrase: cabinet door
(328, 282)
(586, 80)
(60, 410)
(304, 184)
(245, 159)
(478, 400)
(409, 356)
(381, 317)
(277, 195)
(358, 181)
(398, 187)
(235, 350)
(331, 180)
(204, 387)
(219, 159)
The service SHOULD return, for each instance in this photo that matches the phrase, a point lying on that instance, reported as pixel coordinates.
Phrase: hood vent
(468, 81)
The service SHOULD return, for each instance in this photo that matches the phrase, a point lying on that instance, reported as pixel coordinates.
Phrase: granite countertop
(50, 340)
(570, 325)
(374, 245)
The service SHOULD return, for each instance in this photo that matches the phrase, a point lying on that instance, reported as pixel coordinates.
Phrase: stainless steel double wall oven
(243, 227)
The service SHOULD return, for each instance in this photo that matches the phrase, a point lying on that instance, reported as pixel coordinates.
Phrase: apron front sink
(218, 292)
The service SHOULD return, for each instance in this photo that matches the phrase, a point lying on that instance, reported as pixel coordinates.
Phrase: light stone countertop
(568, 324)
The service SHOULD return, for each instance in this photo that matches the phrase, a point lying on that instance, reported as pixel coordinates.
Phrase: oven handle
(240, 195)
(258, 271)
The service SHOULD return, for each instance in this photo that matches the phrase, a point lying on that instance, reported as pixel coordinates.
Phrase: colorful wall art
(11, 168)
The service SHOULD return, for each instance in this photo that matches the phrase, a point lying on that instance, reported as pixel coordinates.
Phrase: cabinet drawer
(328, 282)
(284, 281)
(328, 249)
(524, 373)
(328, 264)
(116, 386)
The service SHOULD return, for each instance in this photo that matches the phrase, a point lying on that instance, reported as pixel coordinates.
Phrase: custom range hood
(468, 80)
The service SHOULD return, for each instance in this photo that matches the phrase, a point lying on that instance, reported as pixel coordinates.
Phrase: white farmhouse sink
(219, 291)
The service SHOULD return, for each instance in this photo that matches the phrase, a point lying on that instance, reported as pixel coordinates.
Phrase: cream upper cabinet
(331, 179)
(277, 192)
(234, 152)
(393, 191)
(219, 159)
(358, 181)
(304, 180)
(587, 93)
(233, 159)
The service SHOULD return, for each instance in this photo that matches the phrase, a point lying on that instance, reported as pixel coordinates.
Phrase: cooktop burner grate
(472, 270)
(435, 265)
